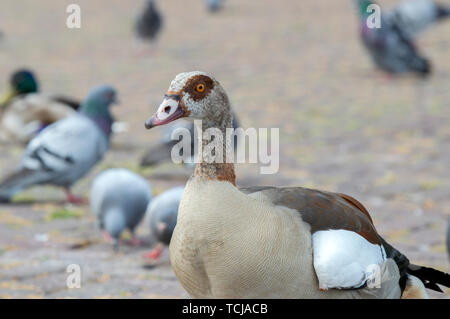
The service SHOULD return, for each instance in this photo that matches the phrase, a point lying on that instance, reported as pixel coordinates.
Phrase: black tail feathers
(68, 101)
(422, 66)
(430, 277)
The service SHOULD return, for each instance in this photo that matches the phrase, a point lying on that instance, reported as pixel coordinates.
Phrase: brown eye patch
(198, 86)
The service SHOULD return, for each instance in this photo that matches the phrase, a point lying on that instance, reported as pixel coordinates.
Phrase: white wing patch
(344, 259)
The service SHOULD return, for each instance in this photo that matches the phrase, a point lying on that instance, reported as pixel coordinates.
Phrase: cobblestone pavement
(297, 65)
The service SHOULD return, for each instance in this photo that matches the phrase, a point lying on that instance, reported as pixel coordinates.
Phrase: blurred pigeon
(391, 46)
(149, 22)
(119, 199)
(214, 5)
(163, 212)
(414, 16)
(161, 152)
(65, 151)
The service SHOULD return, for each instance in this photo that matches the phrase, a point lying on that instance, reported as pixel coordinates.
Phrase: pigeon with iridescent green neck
(391, 44)
(65, 151)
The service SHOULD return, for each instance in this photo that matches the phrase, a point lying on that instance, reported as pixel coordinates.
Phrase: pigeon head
(163, 230)
(99, 99)
(214, 5)
(96, 106)
(150, 5)
(163, 212)
(21, 82)
(194, 95)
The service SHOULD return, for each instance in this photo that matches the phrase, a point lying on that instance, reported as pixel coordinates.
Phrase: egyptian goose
(269, 242)
(24, 111)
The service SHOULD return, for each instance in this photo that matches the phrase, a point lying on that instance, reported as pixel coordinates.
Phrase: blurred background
(296, 65)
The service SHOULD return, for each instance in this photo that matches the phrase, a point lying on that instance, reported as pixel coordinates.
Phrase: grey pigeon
(415, 16)
(149, 22)
(161, 152)
(391, 46)
(119, 199)
(214, 5)
(162, 215)
(66, 150)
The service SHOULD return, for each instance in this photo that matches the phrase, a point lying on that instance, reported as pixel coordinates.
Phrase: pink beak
(169, 110)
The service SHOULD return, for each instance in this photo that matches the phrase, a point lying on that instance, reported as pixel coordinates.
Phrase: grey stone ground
(297, 66)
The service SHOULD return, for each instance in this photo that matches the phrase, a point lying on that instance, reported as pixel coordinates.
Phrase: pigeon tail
(421, 66)
(16, 182)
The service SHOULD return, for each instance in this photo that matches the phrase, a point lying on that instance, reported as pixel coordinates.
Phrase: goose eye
(200, 88)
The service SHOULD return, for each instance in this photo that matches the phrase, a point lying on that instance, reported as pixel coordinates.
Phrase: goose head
(193, 95)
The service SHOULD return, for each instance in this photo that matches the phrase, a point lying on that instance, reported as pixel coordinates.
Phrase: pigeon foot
(74, 199)
(155, 254)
